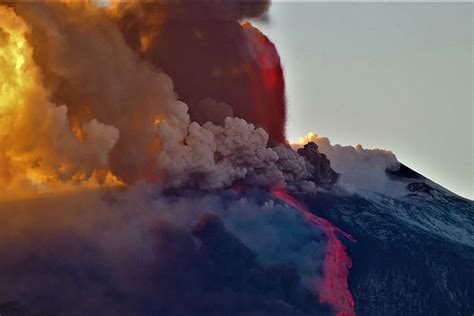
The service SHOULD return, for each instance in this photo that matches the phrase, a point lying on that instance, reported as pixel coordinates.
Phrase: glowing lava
(334, 289)
(268, 84)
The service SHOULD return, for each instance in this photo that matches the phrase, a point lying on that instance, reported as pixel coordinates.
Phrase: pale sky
(397, 76)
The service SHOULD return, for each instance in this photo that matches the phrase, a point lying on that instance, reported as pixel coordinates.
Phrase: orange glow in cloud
(39, 151)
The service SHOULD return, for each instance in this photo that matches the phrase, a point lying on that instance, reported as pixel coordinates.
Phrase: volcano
(144, 170)
(410, 255)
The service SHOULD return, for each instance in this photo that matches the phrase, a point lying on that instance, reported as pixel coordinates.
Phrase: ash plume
(149, 114)
(127, 91)
(104, 112)
(36, 142)
(209, 53)
(88, 67)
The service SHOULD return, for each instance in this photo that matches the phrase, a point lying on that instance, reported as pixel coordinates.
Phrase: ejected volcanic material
(144, 169)
(210, 53)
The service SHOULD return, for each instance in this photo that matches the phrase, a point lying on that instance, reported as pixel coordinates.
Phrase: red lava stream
(334, 289)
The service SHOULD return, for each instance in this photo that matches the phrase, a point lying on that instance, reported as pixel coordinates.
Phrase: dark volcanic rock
(233, 267)
(322, 172)
(419, 187)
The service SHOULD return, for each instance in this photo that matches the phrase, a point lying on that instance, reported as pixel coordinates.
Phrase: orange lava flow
(334, 289)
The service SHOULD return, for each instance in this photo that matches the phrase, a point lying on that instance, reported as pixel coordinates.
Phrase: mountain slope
(414, 255)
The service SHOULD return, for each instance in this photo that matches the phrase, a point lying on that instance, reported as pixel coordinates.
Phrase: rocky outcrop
(403, 172)
(419, 187)
(321, 170)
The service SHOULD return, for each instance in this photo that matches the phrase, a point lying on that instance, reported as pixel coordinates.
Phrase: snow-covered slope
(414, 254)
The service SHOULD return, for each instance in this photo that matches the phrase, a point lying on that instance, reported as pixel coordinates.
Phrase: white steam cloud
(361, 170)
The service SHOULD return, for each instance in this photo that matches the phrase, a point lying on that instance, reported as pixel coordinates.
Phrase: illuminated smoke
(204, 47)
(36, 142)
(114, 86)
(88, 67)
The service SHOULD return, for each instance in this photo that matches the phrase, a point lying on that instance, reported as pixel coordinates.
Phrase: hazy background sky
(389, 75)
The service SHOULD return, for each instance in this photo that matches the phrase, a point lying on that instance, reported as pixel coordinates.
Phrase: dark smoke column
(219, 66)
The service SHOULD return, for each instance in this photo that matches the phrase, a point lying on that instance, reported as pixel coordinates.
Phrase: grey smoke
(138, 253)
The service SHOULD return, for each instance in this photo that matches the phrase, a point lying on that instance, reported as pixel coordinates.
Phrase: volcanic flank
(144, 168)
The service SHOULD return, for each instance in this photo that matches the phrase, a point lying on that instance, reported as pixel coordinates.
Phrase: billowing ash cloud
(102, 108)
(204, 47)
(145, 254)
(85, 97)
(34, 131)
(94, 80)
(211, 157)
(89, 68)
